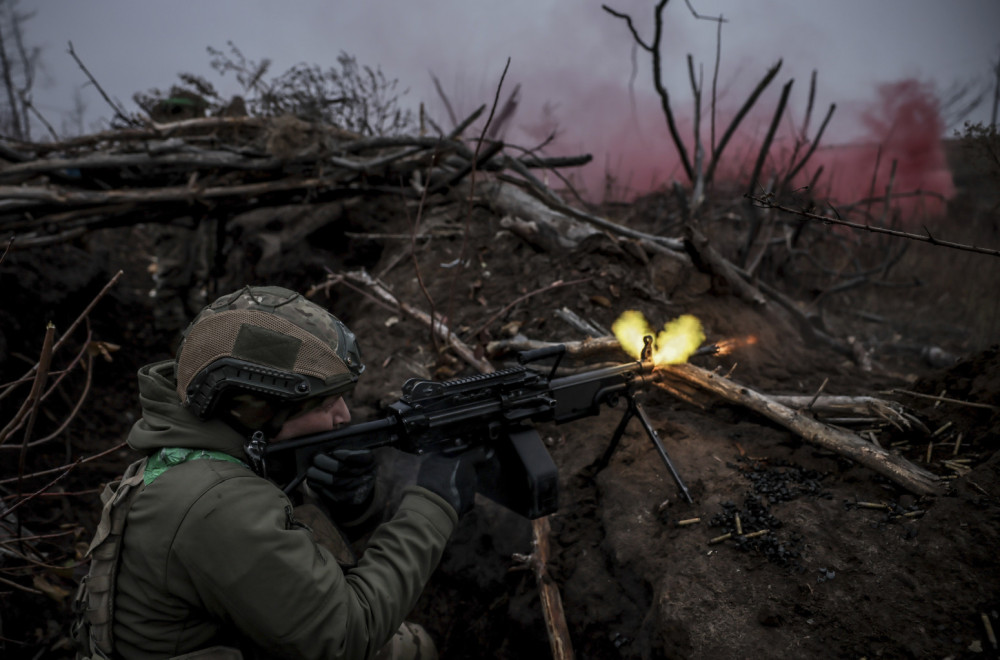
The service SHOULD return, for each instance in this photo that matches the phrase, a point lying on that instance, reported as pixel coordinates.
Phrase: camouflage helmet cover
(269, 341)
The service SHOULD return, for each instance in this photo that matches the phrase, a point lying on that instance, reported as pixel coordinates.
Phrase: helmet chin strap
(258, 435)
(259, 438)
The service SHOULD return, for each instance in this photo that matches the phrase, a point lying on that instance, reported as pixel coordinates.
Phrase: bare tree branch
(6, 70)
(654, 49)
(715, 77)
(765, 202)
(444, 99)
(694, 13)
(119, 112)
(759, 166)
(734, 124)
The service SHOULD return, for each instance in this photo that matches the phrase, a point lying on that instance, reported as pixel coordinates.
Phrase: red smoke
(632, 146)
(904, 127)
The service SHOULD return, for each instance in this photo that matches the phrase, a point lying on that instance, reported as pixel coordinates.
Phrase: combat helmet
(266, 343)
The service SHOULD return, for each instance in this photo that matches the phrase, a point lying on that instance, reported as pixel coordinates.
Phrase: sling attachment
(254, 449)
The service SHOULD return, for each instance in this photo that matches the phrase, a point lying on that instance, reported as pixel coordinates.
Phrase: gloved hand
(453, 478)
(345, 480)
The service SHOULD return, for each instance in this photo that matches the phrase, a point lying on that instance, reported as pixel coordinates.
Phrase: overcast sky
(569, 54)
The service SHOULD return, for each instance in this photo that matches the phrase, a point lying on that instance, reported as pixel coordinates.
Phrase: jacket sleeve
(255, 569)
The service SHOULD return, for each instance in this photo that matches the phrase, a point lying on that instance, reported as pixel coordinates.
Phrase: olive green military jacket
(212, 554)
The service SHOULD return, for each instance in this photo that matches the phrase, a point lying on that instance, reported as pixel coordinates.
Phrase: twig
(945, 399)
(435, 323)
(413, 246)
(698, 191)
(715, 77)
(871, 190)
(738, 118)
(41, 375)
(926, 238)
(718, 19)
(465, 123)
(59, 493)
(472, 189)
(653, 48)
(70, 466)
(10, 244)
(76, 409)
(444, 99)
(11, 583)
(555, 285)
(18, 420)
(72, 327)
(54, 535)
(118, 111)
(818, 392)
(6, 69)
(765, 148)
(812, 148)
(41, 490)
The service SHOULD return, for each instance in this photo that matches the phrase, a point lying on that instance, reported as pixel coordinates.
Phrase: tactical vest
(94, 603)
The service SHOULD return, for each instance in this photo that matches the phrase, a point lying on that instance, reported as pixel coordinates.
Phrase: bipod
(635, 409)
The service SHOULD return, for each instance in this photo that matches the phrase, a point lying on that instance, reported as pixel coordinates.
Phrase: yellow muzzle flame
(672, 345)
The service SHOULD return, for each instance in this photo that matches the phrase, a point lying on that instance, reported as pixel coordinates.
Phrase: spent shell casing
(944, 427)
(759, 532)
(989, 629)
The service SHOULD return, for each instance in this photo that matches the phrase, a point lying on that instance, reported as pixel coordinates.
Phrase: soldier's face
(330, 414)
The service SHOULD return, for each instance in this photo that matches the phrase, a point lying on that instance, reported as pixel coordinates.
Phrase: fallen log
(891, 411)
(896, 468)
(532, 220)
(552, 225)
(708, 259)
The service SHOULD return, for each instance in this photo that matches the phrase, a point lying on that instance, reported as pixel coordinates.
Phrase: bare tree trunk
(996, 93)
(8, 82)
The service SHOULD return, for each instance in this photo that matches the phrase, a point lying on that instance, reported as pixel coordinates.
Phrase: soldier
(197, 555)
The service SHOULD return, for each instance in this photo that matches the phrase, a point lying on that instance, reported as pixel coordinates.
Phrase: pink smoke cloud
(634, 155)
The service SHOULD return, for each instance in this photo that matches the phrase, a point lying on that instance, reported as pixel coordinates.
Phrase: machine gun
(491, 413)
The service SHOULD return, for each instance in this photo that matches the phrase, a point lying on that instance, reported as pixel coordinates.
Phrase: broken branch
(926, 238)
(896, 468)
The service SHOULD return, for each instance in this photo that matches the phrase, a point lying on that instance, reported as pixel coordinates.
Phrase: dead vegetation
(448, 254)
(229, 171)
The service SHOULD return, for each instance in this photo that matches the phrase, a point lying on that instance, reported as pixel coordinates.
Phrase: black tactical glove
(345, 480)
(453, 478)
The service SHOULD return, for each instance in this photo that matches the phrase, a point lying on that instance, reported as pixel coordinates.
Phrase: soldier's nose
(340, 413)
